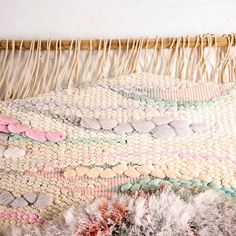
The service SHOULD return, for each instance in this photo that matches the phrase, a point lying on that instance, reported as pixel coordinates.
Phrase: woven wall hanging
(134, 137)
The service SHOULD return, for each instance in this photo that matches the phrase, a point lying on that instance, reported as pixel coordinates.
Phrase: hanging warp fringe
(28, 68)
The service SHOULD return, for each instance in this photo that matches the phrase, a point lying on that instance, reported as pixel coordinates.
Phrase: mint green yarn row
(182, 105)
(153, 184)
(74, 141)
(162, 102)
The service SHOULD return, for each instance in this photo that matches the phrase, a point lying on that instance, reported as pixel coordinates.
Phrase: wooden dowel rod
(190, 42)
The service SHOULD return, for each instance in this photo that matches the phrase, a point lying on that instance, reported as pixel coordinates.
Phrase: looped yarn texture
(117, 136)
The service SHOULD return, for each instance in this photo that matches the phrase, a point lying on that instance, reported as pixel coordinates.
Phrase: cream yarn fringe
(25, 73)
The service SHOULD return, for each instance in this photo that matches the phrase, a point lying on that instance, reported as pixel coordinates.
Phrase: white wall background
(34, 19)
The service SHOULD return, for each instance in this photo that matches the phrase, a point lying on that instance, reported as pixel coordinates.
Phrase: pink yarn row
(21, 216)
(11, 125)
(199, 92)
(199, 155)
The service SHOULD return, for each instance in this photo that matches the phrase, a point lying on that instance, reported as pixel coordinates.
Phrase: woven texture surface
(119, 135)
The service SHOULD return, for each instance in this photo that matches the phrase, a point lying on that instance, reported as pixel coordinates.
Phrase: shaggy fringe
(168, 212)
(41, 69)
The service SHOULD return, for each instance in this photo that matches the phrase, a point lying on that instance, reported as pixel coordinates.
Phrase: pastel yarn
(138, 132)
(11, 125)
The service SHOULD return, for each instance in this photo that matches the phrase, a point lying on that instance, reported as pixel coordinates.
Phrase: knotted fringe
(25, 73)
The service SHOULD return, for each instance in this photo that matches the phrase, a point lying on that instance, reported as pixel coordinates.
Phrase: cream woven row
(91, 163)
